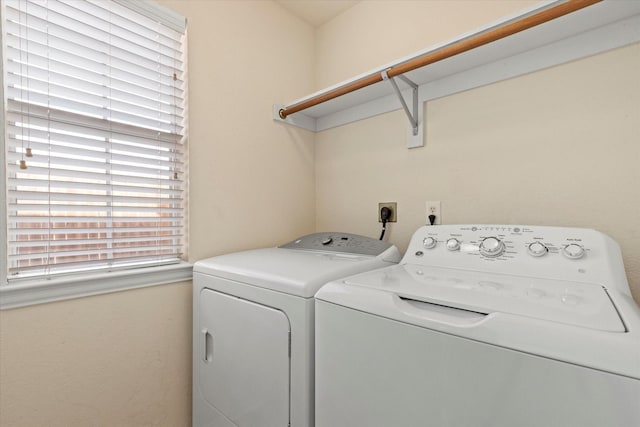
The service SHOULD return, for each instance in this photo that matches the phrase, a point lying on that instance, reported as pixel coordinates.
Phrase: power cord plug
(432, 219)
(385, 214)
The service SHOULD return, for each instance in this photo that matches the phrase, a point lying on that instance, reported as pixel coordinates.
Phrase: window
(94, 129)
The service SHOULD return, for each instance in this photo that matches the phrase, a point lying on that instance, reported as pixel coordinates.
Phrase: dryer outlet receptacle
(393, 206)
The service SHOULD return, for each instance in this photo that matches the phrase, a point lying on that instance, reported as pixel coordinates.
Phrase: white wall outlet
(433, 208)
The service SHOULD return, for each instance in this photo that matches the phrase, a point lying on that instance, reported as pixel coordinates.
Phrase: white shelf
(589, 31)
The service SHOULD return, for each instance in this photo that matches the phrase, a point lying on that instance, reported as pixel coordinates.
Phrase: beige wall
(251, 181)
(556, 147)
(124, 359)
(114, 360)
(377, 32)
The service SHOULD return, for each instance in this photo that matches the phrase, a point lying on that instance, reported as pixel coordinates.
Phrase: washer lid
(295, 272)
(579, 304)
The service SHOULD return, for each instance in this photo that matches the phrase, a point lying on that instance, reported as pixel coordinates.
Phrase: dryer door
(244, 363)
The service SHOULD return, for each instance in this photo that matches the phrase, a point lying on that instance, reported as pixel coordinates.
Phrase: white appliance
(253, 326)
(483, 325)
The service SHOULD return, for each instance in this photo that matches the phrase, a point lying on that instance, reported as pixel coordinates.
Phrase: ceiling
(317, 12)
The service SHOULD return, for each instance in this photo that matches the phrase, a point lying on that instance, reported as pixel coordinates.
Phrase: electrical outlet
(433, 208)
(394, 211)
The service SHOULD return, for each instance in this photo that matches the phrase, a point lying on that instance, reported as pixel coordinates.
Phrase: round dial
(453, 244)
(429, 242)
(573, 251)
(491, 247)
(537, 249)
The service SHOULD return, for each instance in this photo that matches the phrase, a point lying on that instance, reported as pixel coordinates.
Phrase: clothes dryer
(483, 325)
(253, 327)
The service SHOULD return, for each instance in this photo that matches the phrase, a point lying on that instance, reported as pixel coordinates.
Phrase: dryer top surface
(299, 272)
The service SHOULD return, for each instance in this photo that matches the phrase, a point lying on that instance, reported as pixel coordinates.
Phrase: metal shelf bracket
(415, 137)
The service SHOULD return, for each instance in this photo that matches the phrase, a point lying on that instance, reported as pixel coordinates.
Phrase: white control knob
(453, 244)
(573, 251)
(491, 247)
(429, 242)
(537, 249)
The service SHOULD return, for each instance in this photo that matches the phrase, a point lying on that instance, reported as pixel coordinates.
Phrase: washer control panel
(505, 242)
(554, 252)
(339, 242)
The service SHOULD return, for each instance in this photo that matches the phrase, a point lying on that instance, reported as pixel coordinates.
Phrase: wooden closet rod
(446, 52)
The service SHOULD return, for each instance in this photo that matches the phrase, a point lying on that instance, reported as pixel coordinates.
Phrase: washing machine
(253, 327)
(483, 325)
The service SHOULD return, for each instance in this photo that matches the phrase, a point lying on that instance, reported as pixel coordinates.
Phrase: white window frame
(62, 287)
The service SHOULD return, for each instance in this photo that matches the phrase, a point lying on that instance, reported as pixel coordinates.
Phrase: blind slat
(90, 146)
(79, 221)
(111, 252)
(37, 241)
(59, 162)
(88, 188)
(58, 197)
(90, 245)
(112, 111)
(19, 112)
(96, 265)
(90, 177)
(45, 142)
(60, 209)
(109, 160)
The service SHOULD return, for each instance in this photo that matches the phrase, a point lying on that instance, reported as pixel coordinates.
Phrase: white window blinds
(95, 136)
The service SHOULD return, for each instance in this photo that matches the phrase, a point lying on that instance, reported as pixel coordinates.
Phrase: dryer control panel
(564, 253)
(339, 242)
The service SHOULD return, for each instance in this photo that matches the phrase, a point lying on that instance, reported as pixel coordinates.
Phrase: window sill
(57, 289)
